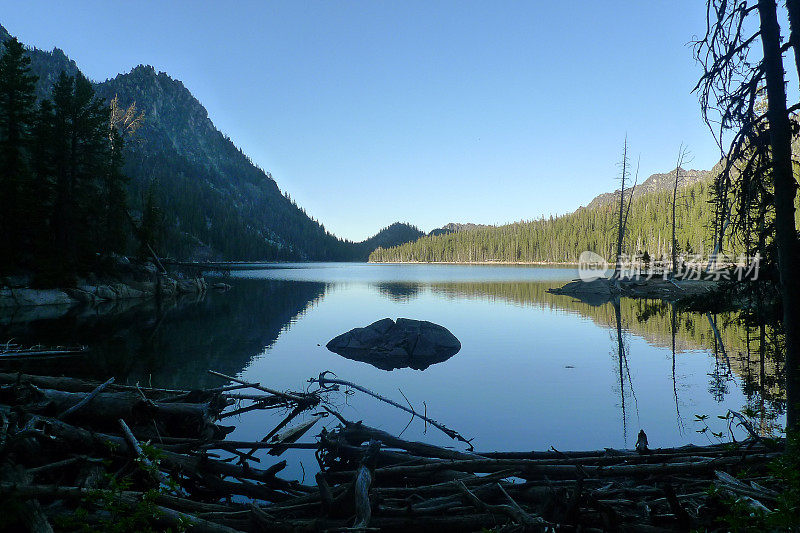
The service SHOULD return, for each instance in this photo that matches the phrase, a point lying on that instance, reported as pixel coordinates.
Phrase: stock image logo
(592, 266)
(715, 267)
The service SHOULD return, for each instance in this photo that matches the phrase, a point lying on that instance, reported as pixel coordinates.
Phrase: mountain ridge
(654, 183)
(217, 202)
(657, 182)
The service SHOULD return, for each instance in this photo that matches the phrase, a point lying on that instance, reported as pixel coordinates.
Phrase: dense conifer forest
(63, 192)
(563, 238)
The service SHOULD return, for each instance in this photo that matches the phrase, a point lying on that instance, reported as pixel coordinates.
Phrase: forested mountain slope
(562, 239)
(215, 198)
(655, 183)
(215, 202)
(392, 235)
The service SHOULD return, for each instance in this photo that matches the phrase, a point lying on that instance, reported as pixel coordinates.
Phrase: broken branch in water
(287, 395)
(325, 383)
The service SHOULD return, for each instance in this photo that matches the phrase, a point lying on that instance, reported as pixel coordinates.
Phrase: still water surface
(535, 369)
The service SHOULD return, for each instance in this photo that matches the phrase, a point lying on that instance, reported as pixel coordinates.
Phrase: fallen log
(101, 410)
(327, 382)
(305, 398)
(532, 468)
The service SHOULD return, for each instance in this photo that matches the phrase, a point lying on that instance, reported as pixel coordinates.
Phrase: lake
(535, 369)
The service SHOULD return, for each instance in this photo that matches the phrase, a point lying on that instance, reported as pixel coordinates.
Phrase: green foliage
(121, 512)
(737, 514)
(17, 114)
(786, 471)
(62, 189)
(562, 239)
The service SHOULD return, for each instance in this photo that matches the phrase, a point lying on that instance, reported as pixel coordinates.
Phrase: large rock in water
(387, 344)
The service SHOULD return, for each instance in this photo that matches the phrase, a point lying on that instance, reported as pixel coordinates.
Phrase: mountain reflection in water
(521, 345)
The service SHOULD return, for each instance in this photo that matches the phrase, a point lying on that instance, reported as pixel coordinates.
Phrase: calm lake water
(535, 370)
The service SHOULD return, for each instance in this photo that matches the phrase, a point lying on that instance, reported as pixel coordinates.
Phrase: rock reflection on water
(391, 345)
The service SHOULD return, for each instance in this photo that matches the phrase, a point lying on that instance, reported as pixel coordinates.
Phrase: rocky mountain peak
(654, 183)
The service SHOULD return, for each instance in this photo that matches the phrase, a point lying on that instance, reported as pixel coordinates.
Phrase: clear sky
(428, 112)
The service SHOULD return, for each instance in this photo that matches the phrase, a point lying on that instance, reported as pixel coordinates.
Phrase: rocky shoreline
(601, 290)
(132, 281)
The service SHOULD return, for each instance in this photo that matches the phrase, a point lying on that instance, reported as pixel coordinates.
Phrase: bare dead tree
(621, 222)
(682, 152)
(630, 198)
(758, 155)
(126, 121)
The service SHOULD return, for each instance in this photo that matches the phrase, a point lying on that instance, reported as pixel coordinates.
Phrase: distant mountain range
(217, 203)
(655, 183)
(562, 239)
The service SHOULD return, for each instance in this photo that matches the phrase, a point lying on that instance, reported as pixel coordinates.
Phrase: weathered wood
(389, 484)
(296, 411)
(286, 395)
(362, 484)
(291, 435)
(134, 445)
(532, 468)
(86, 399)
(514, 511)
(102, 410)
(325, 381)
(68, 384)
(357, 433)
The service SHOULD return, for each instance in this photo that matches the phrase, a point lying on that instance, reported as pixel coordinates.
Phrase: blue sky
(426, 112)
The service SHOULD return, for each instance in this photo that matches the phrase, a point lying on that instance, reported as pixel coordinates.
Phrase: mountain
(216, 202)
(220, 202)
(563, 238)
(392, 235)
(655, 183)
(454, 227)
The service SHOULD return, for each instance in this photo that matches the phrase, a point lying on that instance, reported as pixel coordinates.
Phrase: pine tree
(152, 227)
(81, 161)
(17, 101)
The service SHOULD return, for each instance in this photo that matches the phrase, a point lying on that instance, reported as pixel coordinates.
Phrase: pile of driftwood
(78, 455)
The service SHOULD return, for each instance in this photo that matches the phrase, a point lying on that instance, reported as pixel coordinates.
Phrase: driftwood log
(159, 456)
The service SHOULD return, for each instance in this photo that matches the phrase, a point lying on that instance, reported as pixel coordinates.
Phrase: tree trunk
(793, 6)
(675, 201)
(620, 228)
(785, 188)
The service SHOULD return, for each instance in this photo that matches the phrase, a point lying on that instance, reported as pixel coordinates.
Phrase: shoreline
(129, 281)
(479, 263)
(602, 290)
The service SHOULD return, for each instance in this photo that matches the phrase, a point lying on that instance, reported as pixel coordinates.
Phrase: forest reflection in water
(739, 349)
(173, 344)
